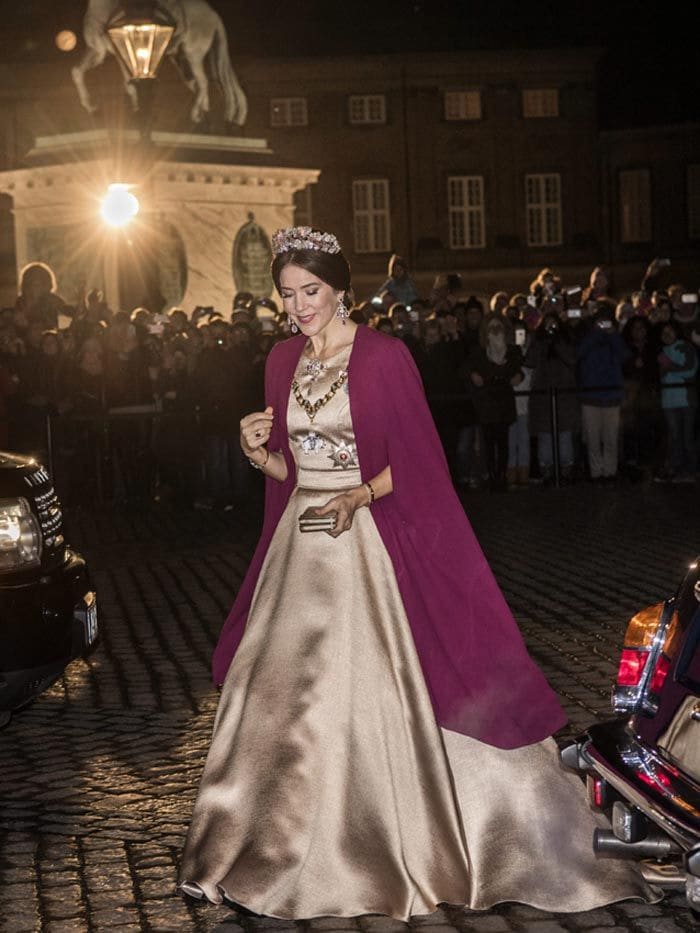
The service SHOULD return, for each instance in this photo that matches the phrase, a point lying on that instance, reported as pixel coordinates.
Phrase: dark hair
(331, 268)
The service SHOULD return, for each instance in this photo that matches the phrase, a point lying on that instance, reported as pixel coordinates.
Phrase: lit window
(462, 105)
(371, 219)
(465, 205)
(541, 102)
(635, 206)
(367, 108)
(288, 111)
(543, 206)
(694, 202)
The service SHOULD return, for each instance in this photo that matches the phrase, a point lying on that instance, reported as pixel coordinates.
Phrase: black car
(48, 608)
(643, 768)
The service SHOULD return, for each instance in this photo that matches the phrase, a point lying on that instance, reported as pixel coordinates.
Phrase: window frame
(466, 211)
(464, 116)
(365, 119)
(370, 213)
(286, 103)
(540, 110)
(644, 223)
(542, 206)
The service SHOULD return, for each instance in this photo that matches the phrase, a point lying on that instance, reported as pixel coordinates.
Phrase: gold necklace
(312, 408)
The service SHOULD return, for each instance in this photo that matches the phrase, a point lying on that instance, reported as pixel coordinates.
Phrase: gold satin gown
(329, 788)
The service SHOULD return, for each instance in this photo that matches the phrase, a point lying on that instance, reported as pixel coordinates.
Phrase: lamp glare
(119, 206)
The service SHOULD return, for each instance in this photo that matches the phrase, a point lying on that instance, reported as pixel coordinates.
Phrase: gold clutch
(310, 521)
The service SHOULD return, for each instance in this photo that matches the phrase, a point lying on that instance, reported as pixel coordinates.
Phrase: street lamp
(119, 206)
(140, 33)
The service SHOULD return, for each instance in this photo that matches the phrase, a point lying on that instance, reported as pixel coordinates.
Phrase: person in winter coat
(641, 416)
(495, 368)
(601, 355)
(518, 473)
(552, 358)
(678, 364)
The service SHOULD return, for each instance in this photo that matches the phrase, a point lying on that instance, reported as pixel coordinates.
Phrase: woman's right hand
(255, 430)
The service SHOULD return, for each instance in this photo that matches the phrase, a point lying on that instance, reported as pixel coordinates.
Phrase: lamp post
(140, 33)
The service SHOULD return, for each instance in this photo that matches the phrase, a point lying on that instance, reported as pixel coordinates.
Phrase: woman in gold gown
(330, 787)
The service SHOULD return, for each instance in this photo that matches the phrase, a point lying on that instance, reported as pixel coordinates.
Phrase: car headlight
(20, 537)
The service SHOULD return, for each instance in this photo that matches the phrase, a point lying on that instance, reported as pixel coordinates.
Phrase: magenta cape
(481, 680)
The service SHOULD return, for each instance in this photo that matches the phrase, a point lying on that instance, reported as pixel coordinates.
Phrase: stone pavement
(98, 777)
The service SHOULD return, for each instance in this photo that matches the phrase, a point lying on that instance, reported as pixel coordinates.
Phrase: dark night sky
(650, 70)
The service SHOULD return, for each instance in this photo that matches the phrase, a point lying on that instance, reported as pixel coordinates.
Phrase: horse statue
(199, 32)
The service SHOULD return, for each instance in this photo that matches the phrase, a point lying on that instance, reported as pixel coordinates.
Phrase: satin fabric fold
(329, 788)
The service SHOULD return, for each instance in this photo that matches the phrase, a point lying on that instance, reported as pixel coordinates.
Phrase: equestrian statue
(199, 41)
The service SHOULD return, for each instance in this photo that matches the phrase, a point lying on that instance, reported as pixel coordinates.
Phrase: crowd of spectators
(621, 376)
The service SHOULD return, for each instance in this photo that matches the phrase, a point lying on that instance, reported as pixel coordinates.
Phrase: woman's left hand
(345, 505)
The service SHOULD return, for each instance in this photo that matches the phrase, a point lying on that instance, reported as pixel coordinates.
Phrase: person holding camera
(678, 365)
(601, 355)
(552, 358)
(399, 287)
(494, 369)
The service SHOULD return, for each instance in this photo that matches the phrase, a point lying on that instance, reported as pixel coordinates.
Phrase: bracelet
(260, 466)
(371, 492)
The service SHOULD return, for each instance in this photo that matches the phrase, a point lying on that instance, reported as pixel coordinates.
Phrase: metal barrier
(554, 393)
(109, 451)
(153, 417)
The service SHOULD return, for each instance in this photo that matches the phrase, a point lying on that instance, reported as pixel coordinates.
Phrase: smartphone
(689, 299)
(605, 325)
(532, 301)
(414, 316)
(520, 337)
(573, 312)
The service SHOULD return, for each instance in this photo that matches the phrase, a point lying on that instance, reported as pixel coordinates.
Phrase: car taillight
(632, 664)
(649, 635)
(658, 678)
(598, 795)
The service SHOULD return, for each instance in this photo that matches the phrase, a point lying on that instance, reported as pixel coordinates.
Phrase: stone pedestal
(206, 224)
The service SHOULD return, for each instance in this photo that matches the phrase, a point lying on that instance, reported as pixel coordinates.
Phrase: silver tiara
(303, 238)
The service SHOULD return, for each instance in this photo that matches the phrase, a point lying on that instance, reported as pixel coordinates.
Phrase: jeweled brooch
(343, 455)
(312, 443)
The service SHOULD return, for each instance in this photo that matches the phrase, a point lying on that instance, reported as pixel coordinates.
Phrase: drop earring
(294, 329)
(341, 311)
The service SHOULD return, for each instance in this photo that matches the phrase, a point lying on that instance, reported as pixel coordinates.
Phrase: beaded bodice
(321, 436)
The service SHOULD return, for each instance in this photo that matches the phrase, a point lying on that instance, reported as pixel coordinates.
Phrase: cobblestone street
(98, 776)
